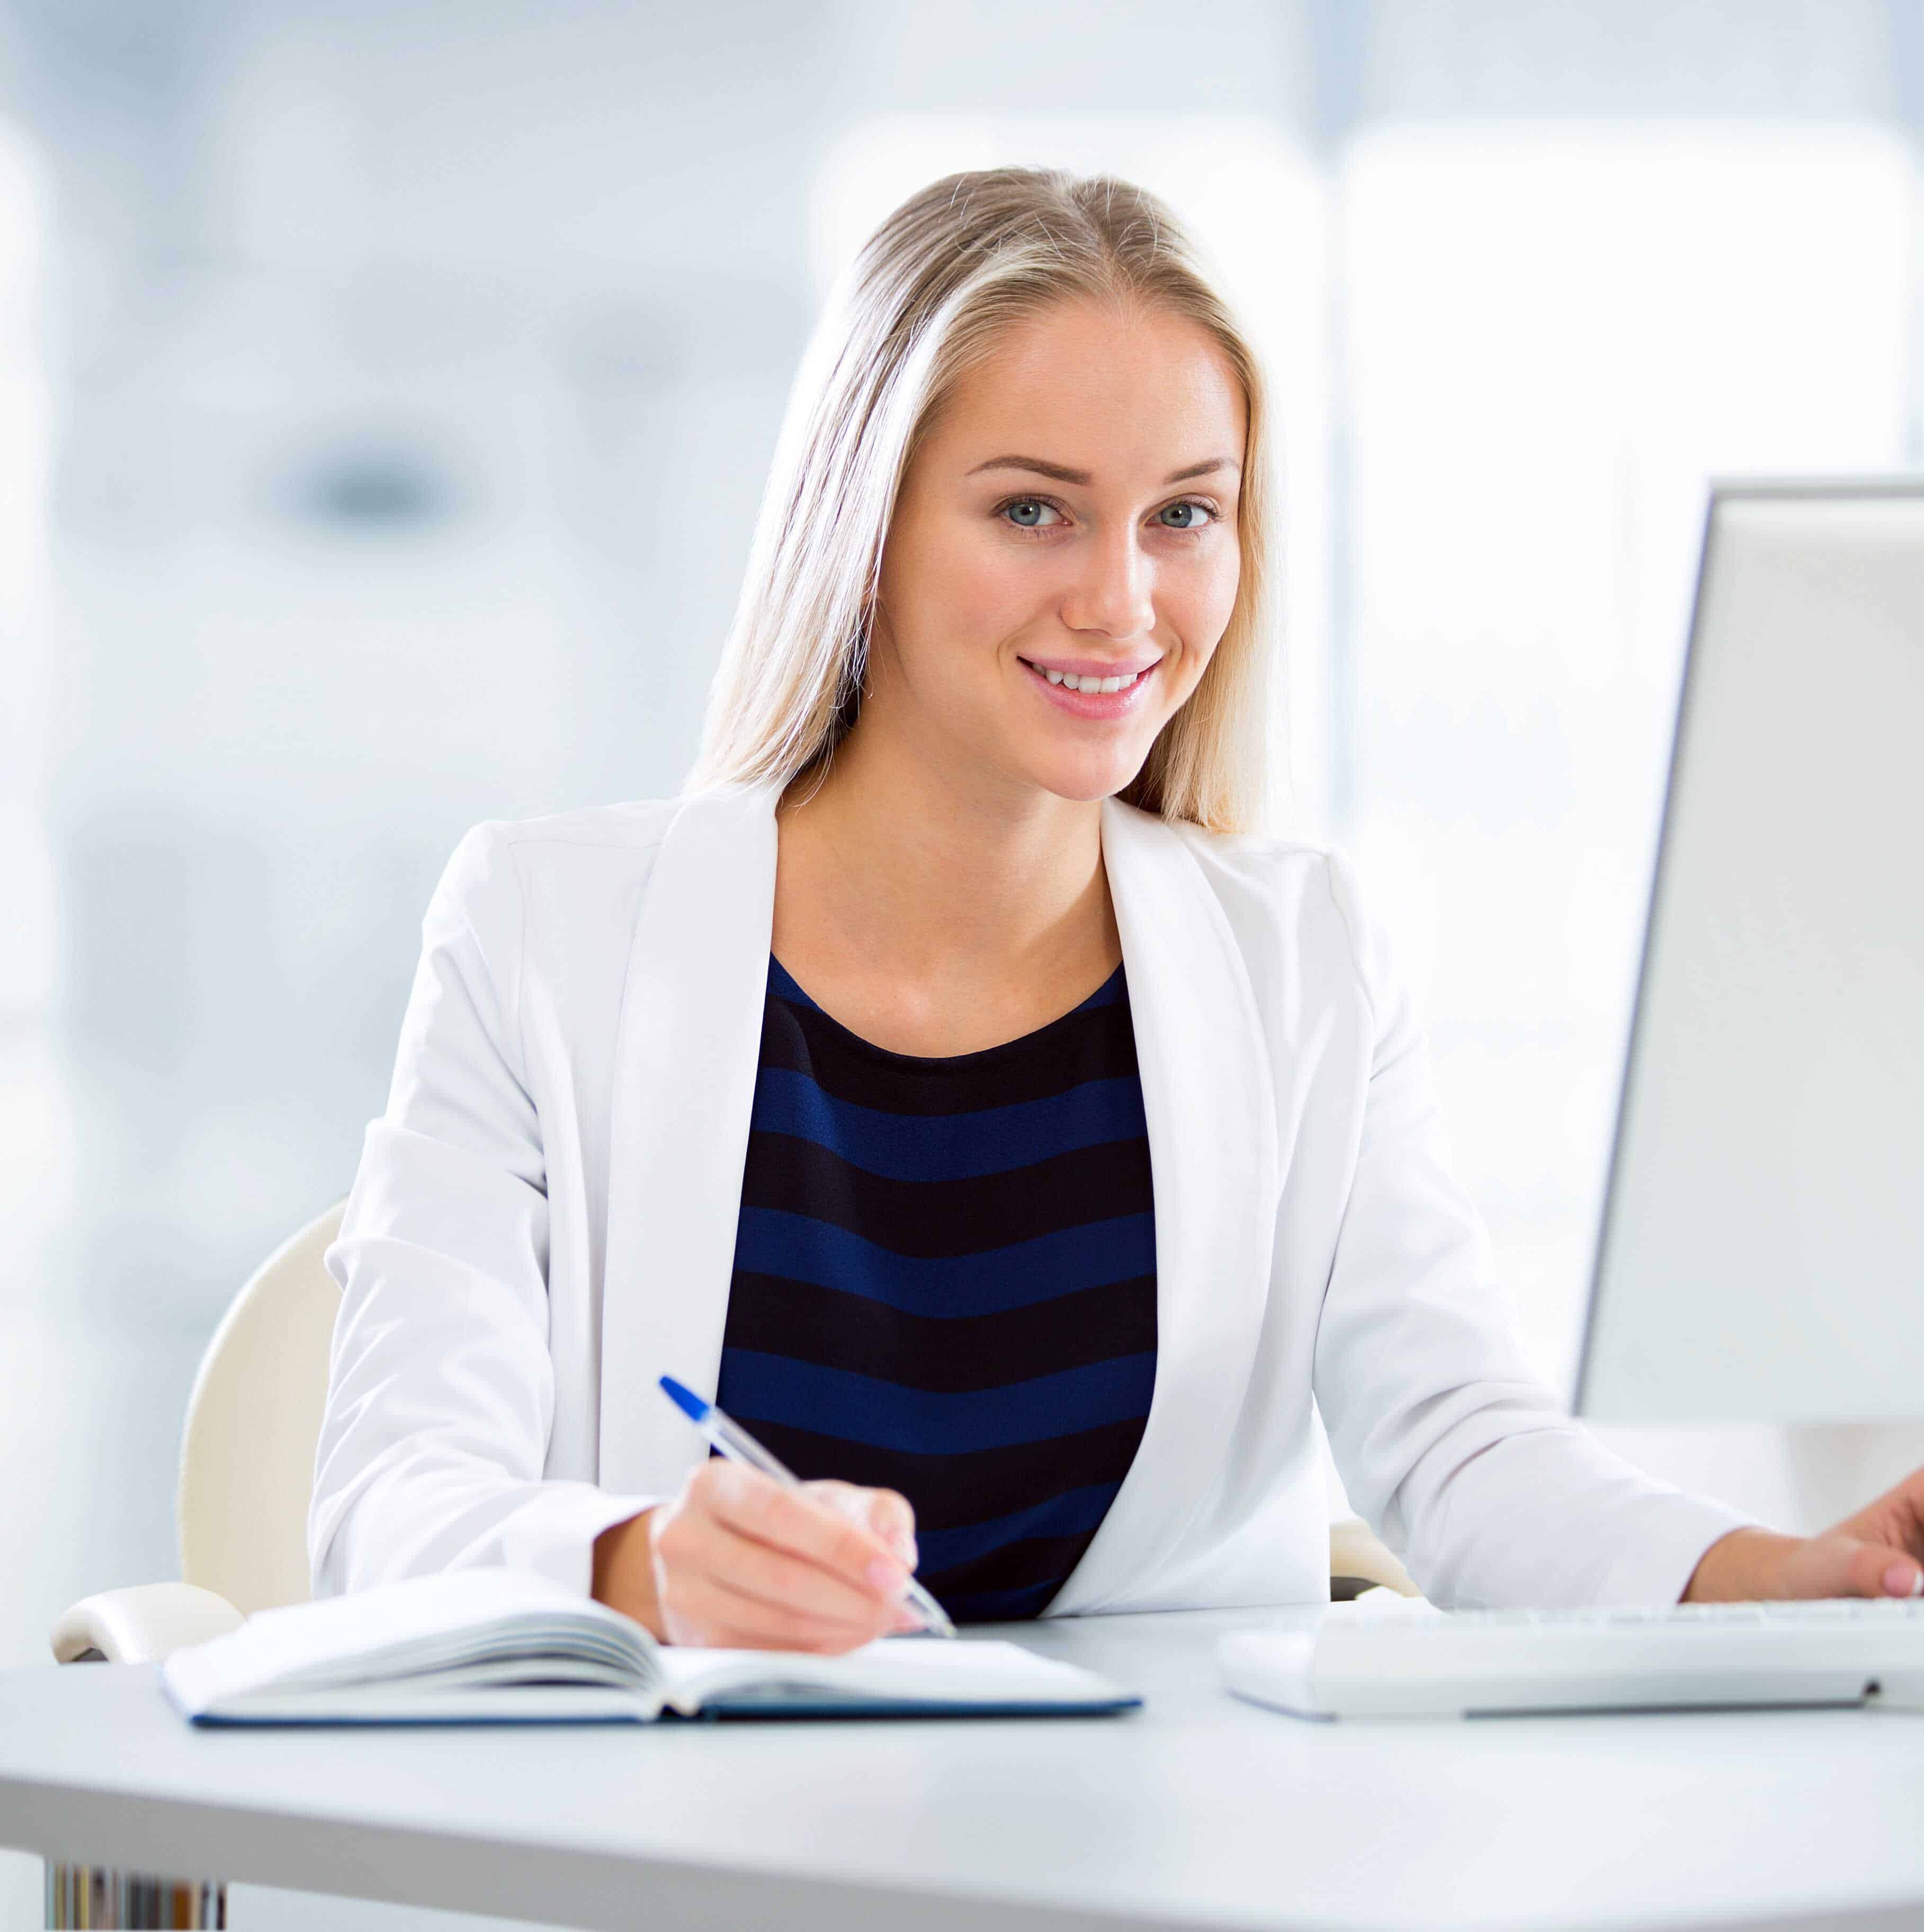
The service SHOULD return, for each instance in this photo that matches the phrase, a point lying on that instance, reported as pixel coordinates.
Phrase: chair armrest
(1358, 1557)
(140, 1624)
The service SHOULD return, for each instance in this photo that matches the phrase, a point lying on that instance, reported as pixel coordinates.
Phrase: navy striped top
(945, 1284)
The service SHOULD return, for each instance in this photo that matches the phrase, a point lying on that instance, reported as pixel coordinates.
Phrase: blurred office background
(384, 394)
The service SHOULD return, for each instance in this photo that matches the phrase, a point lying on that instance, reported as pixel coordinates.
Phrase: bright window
(1553, 338)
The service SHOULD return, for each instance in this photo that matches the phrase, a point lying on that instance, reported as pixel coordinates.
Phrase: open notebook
(501, 1645)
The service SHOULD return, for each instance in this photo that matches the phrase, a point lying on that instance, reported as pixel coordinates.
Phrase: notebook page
(906, 1668)
(390, 1631)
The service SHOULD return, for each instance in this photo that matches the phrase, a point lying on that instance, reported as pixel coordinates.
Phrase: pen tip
(690, 1404)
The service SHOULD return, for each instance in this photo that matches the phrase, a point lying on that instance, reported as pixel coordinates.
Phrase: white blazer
(543, 1222)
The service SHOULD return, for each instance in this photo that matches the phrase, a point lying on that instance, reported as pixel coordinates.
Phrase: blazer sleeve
(1467, 1465)
(440, 1388)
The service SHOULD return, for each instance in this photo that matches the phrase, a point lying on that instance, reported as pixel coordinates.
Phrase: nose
(1111, 594)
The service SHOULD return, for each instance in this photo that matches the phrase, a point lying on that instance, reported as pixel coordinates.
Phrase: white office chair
(247, 1464)
(247, 1468)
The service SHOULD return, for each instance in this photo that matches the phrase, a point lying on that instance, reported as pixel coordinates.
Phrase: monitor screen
(1761, 1254)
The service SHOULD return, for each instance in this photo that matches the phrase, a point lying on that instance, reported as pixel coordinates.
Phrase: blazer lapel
(1210, 1101)
(686, 1055)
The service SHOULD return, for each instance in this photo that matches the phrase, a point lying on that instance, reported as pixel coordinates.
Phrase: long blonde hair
(925, 300)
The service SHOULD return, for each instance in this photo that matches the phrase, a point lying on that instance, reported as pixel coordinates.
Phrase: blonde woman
(951, 1082)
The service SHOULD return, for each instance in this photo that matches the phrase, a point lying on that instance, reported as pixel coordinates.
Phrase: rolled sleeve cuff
(554, 1535)
(1674, 1532)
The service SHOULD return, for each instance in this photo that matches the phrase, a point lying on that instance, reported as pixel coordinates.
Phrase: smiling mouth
(1070, 680)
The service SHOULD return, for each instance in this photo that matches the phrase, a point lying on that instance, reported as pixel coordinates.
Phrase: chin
(1083, 781)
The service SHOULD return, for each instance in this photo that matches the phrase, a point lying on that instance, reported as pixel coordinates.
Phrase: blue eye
(1195, 516)
(1030, 513)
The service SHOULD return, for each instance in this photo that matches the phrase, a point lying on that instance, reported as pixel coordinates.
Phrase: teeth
(1070, 681)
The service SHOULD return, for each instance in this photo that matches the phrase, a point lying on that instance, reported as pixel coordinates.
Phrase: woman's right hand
(738, 1561)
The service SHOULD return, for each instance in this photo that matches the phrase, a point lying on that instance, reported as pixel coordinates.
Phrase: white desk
(1197, 1811)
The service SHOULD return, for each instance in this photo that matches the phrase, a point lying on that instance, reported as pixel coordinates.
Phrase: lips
(1088, 688)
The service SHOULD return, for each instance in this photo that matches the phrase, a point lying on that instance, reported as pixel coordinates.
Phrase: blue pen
(738, 1446)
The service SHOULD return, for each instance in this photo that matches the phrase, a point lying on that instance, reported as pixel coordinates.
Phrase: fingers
(890, 1517)
(710, 1611)
(1747, 1565)
(740, 1560)
(885, 1513)
(1877, 1570)
(780, 1579)
(1844, 1566)
(801, 1522)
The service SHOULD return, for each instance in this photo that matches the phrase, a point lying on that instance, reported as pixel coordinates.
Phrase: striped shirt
(945, 1284)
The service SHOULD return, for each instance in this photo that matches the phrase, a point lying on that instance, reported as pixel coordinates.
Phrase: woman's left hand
(1877, 1553)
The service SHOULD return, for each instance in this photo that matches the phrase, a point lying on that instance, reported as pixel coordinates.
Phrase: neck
(935, 872)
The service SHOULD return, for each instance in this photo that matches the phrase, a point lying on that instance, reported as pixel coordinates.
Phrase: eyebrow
(1062, 473)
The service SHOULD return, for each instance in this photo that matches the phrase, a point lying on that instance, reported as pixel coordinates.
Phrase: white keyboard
(1418, 1661)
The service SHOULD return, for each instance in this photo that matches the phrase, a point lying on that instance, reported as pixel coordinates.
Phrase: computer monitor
(1761, 1253)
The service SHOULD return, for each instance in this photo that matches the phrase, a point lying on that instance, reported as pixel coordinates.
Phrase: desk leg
(91, 1896)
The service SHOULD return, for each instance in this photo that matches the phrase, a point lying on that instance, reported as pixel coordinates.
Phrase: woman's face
(1069, 521)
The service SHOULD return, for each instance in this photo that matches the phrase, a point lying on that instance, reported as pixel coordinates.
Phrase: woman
(950, 1080)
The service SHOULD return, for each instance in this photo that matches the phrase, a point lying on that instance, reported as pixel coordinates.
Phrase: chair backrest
(246, 1455)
